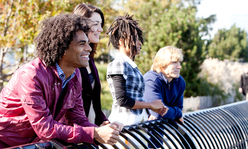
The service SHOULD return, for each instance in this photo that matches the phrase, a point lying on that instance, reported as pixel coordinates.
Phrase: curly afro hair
(56, 35)
(124, 27)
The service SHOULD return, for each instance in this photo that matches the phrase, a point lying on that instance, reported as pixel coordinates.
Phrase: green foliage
(173, 24)
(106, 97)
(102, 71)
(238, 95)
(229, 44)
(214, 90)
(20, 19)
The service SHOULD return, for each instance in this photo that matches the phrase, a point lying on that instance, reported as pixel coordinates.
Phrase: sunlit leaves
(229, 44)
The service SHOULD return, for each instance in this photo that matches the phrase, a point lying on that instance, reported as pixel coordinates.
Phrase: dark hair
(86, 10)
(124, 27)
(56, 35)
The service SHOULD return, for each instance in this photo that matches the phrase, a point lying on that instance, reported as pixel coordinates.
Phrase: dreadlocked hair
(56, 35)
(124, 27)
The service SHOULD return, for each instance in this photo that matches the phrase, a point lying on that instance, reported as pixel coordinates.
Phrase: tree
(173, 24)
(19, 22)
(229, 44)
(149, 13)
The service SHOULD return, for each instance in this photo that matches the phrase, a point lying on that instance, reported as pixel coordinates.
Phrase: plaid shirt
(62, 76)
(135, 85)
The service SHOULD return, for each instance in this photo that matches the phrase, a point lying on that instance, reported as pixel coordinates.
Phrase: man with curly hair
(46, 90)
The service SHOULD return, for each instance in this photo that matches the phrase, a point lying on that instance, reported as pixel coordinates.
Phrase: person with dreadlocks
(47, 89)
(125, 81)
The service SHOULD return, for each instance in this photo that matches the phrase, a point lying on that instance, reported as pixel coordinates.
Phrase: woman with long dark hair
(91, 93)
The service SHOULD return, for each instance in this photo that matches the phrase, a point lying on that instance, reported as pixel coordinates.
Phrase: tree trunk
(2, 51)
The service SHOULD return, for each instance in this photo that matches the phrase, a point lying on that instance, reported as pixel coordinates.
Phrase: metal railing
(223, 127)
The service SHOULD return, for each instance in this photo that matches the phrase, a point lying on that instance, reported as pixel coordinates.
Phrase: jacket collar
(53, 68)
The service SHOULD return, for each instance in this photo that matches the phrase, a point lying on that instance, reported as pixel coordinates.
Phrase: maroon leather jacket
(28, 103)
(88, 94)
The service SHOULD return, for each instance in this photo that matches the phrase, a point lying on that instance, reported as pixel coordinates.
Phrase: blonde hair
(164, 57)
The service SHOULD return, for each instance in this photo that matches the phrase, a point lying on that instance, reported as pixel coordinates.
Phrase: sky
(228, 13)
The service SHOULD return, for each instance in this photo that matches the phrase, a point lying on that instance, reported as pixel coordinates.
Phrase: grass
(106, 97)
